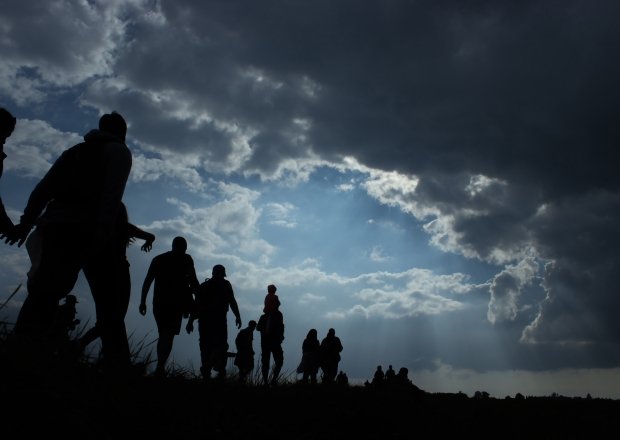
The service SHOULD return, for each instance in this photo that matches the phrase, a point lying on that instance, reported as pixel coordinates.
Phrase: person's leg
(333, 372)
(105, 278)
(221, 354)
(325, 369)
(88, 337)
(278, 361)
(203, 343)
(54, 272)
(164, 348)
(265, 354)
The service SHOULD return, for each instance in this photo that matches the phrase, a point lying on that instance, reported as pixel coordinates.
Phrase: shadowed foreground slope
(73, 399)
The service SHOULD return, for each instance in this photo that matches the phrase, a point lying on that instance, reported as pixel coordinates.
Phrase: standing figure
(214, 298)
(175, 283)
(390, 374)
(7, 125)
(271, 328)
(126, 234)
(330, 355)
(377, 378)
(342, 379)
(244, 359)
(80, 196)
(311, 357)
(402, 377)
(272, 301)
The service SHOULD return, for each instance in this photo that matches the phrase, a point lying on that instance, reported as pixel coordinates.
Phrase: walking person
(331, 347)
(126, 234)
(214, 298)
(80, 196)
(175, 284)
(244, 359)
(271, 328)
(311, 357)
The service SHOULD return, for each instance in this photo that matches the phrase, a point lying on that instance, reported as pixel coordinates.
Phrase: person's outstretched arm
(40, 196)
(193, 279)
(235, 309)
(136, 232)
(6, 224)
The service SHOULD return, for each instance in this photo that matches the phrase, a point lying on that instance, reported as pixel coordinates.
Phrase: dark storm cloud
(495, 88)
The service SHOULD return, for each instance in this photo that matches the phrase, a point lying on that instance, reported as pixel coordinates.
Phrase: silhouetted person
(244, 359)
(342, 379)
(214, 298)
(390, 374)
(311, 357)
(330, 355)
(175, 282)
(271, 328)
(377, 379)
(272, 302)
(7, 125)
(402, 378)
(74, 208)
(126, 234)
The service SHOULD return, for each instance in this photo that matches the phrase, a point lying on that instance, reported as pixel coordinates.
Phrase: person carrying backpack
(271, 328)
(214, 298)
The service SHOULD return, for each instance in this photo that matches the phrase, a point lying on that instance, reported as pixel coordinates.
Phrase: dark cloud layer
(523, 93)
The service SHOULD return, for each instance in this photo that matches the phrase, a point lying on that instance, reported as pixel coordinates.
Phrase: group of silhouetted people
(324, 356)
(75, 220)
(389, 377)
(70, 224)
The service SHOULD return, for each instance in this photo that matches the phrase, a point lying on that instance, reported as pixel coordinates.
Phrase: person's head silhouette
(179, 245)
(113, 123)
(218, 271)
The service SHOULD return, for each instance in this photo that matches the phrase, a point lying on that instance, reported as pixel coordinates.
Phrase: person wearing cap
(80, 196)
(175, 284)
(7, 125)
(214, 298)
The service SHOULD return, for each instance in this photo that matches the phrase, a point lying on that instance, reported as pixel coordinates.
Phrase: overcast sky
(437, 181)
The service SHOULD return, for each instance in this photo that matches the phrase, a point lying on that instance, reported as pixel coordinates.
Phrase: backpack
(261, 325)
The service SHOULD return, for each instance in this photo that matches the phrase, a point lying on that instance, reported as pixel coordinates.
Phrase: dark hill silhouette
(71, 397)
